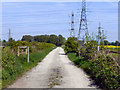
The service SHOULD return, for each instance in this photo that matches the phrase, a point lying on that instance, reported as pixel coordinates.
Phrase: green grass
(115, 54)
(14, 67)
(113, 49)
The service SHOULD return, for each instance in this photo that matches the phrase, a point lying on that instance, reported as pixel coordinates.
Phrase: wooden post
(28, 54)
(18, 51)
(79, 52)
(26, 50)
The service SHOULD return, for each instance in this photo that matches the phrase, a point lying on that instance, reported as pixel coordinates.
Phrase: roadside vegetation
(14, 66)
(100, 66)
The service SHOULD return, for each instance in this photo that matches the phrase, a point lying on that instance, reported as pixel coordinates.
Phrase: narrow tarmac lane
(55, 71)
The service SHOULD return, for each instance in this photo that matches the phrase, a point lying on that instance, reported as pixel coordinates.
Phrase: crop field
(111, 47)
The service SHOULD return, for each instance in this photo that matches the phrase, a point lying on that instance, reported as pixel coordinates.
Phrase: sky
(40, 18)
(58, 0)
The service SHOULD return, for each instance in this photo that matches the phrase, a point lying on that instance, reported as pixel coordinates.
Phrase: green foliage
(71, 45)
(33, 46)
(27, 38)
(40, 46)
(14, 66)
(57, 40)
(61, 40)
(11, 40)
(105, 72)
(4, 40)
(102, 70)
(89, 49)
(74, 58)
(14, 45)
(100, 67)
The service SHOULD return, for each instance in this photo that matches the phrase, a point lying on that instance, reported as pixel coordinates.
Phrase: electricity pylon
(99, 34)
(83, 22)
(72, 31)
(9, 34)
(83, 25)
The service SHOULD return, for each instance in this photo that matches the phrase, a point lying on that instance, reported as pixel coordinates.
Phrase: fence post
(26, 51)
(98, 48)
(79, 52)
(18, 53)
(28, 54)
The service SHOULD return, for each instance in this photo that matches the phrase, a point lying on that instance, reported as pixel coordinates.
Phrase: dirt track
(55, 71)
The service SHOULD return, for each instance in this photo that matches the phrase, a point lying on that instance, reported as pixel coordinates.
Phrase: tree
(106, 42)
(53, 39)
(61, 40)
(27, 38)
(41, 38)
(116, 43)
(11, 39)
(4, 41)
(71, 45)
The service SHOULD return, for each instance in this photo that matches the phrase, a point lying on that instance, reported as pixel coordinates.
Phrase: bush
(71, 45)
(102, 69)
(14, 45)
(105, 72)
(89, 49)
(33, 46)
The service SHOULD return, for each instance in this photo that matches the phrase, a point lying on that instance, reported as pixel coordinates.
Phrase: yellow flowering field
(111, 46)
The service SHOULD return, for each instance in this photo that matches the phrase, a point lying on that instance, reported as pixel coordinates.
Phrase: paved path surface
(55, 71)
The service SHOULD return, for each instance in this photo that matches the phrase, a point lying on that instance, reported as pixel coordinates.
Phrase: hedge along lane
(101, 70)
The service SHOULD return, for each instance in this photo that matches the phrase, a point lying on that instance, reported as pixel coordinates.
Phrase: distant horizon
(31, 18)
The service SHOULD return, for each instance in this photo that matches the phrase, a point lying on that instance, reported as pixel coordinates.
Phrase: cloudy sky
(37, 18)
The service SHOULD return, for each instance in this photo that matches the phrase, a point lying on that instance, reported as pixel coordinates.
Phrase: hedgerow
(99, 66)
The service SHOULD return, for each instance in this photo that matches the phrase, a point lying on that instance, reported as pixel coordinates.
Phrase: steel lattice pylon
(72, 32)
(83, 21)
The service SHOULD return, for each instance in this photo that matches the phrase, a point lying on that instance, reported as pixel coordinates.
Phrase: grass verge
(14, 67)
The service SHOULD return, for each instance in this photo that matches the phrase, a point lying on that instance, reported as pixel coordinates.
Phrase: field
(111, 47)
(113, 51)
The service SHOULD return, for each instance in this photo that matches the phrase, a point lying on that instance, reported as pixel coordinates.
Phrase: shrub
(89, 49)
(102, 70)
(71, 45)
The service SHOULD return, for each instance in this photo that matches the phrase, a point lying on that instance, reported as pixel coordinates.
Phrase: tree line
(116, 43)
(54, 39)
